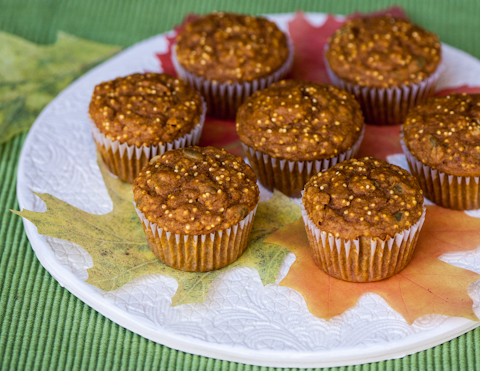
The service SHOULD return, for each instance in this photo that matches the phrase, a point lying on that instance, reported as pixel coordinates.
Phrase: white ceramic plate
(241, 320)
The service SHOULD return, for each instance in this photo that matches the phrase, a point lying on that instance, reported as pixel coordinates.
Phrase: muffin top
(145, 109)
(383, 52)
(228, 47)
(300, 120)
(196, 190)
(444, 133)
(364, 197)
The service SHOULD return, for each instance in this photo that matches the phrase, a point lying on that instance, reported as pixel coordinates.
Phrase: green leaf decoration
(117, 244)
(31, 75)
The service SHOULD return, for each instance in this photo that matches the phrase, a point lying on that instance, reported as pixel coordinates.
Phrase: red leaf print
(309, 42)
(166, 58)
(459, 89)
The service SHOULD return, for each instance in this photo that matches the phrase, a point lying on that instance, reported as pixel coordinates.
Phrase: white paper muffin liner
(388, 106)
(290, 177)
(450, 191)
(126, 161)
(364, 259)
(198, 253)
(223, 99)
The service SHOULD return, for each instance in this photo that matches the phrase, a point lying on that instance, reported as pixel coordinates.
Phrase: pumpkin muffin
(389, 64)
(136, 117)
(228, 56)
(363, 218)
(197, 207)
(442, 145)
(294, 129)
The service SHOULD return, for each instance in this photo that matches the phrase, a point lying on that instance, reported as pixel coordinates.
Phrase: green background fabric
(42, 325)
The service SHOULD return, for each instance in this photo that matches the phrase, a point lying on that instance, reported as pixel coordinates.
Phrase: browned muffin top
(365, 197)
(300, 120)
(383, 52)
(145, 109)
(231, 47)
(444, 133)
(196, 190)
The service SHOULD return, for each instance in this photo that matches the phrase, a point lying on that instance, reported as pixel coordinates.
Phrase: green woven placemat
(43, 326)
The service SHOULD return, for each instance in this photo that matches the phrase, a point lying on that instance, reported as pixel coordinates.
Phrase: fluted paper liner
(198, 253)
(450, 191)
(388, 106)
(290, 177)
(223, 98)
(364, 259)
(126, 161)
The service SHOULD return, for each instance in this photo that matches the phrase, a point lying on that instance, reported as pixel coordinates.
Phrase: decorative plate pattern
(241, 319)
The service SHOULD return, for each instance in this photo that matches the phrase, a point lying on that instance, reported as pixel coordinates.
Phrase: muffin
(197, 207)
(228, 56)
(363, 218)
(137, 117)
(441, 139)
(294, 129)
(389, 64)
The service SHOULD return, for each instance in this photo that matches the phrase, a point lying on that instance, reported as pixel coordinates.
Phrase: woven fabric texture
(42, 325)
